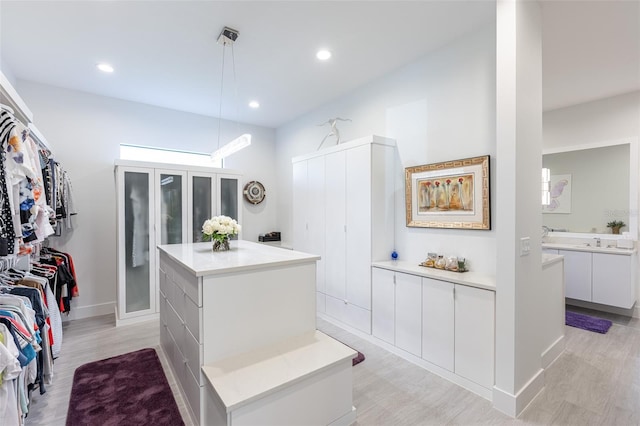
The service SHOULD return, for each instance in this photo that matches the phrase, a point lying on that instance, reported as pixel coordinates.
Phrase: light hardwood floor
(595, 382)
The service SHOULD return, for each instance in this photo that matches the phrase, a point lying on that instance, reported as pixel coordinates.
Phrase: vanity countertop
(589, 248)
(549, 259)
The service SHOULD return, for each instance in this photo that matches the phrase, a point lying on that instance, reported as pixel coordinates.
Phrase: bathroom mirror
(591, 186)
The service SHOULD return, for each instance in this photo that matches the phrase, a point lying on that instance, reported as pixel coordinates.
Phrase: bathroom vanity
(604, 275)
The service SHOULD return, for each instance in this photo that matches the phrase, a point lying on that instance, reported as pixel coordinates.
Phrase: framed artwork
(560, 195)
(452, 194)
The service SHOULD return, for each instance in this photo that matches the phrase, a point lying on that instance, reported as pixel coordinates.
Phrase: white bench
(305, 380)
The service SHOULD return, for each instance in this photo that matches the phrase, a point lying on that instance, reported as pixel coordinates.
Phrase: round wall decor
(254, 192)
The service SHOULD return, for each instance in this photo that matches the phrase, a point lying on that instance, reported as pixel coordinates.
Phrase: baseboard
(81, 312)
(633, 312)
(437, 370)
(346, 420)
(513, 405)
(136, 320)
(553, 352)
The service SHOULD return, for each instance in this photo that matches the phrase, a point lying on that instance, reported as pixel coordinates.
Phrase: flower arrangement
(615, 226)
(219, 229)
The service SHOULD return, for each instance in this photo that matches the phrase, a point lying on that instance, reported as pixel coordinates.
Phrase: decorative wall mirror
(603, 187)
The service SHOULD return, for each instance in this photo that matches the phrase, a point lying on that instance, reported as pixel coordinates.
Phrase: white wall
(603, 120)
(441, 107)
(85, 132)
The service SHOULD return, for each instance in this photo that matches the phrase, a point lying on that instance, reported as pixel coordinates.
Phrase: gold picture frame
(452, 194)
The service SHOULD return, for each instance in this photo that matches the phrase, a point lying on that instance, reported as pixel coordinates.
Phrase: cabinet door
(383, 309)
(358, 226)
(202, 202)
(438, 322)
(577, 274)
(229, 192)
(171, 206)
(409, 313)
(315, 216)
(335, 258)
(474, 334)
(300, 201)
(612, 283)
(136, 242)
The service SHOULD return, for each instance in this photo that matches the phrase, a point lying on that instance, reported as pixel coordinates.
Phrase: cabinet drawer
(162, 282)
(193, 318)
(193, 392)
(175, 326)
(189, 284)
(193, 353)
(176, 298)
(349, 314)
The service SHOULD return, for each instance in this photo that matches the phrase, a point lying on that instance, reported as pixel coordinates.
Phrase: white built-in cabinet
(450, 325)
(397, 311)
(343, 210)
(162, 204)
(604, 278)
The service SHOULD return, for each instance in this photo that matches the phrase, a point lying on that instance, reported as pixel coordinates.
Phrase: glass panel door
(228, 204)
(201, 202)
(171, 208)
(137, 240)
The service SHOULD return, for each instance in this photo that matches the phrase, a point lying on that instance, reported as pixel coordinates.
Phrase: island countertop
(201, 260)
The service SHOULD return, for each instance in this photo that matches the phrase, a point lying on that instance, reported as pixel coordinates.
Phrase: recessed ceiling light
(323, 54)
(254, 104)
(104, 67)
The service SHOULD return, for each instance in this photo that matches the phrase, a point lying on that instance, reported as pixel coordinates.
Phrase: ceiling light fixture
(254, 104)
(323, 54)
(104, 67)
(227, 37)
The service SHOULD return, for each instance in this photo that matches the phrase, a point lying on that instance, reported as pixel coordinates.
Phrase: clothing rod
(7, 108)
(39, 138)
(10, 97)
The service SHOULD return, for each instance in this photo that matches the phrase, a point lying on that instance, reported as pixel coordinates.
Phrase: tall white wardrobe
(343, 210)
(163, 204)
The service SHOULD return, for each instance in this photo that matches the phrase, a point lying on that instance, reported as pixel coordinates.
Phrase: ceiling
(165, 52)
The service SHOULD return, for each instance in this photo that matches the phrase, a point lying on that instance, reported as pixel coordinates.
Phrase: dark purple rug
(129, 389)
(586, 322)
(357, 359)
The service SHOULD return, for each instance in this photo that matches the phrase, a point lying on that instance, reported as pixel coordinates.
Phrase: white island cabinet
(237, 313)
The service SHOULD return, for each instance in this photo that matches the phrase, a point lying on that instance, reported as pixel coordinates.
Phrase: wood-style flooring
(595, 382)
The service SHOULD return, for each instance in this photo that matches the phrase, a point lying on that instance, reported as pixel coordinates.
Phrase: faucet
(597, 241)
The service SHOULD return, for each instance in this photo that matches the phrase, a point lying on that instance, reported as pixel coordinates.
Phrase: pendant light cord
(224, 45)
(235, 85)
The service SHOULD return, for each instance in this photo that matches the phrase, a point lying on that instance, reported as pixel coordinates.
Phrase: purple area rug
(129, 389)
(586, 322)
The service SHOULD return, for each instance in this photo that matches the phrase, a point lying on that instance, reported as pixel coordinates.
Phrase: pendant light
(228, 36)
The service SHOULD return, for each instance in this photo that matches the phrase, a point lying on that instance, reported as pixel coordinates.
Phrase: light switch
(525, 246)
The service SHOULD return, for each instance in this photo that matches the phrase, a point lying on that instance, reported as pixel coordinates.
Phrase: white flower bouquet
(219, 229)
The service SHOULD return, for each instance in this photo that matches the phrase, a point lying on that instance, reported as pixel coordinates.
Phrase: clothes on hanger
(29, 333)
(36, 196)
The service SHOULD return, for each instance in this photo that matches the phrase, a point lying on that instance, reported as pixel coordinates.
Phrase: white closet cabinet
(438, 331)
(162, 204)
(308, 191)
(397, 309)
(343, 204)
(474, 334)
